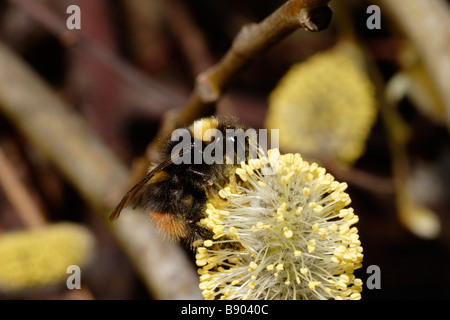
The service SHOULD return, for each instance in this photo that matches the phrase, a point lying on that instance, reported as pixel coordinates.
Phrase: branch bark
(251, 41)
(427, 24)
(191, 39)
(70, 145)
(26, 207)
(159, 97)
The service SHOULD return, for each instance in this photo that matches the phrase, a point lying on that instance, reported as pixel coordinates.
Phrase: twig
(27, 209)
(68, 143)
(362, 179)
(159, 97)
(98, 92)
(427, 24)
(191, 39)
(417, 218)
(251, 41)
(197, 54)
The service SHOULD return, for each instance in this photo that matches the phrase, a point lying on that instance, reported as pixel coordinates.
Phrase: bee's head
(232, 140)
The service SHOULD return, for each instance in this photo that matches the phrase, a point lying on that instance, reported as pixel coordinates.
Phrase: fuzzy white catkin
(288, 235)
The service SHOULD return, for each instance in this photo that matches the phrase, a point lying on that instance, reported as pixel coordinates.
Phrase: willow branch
(190, 38)
(69, 144)
(427, 24)
(252, 41)
(26, 207)
(159, 97)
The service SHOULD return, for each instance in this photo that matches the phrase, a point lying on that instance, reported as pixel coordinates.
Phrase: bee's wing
(133, 191)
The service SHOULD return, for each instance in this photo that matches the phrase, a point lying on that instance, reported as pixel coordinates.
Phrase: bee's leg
(199, 233)
(204, 176)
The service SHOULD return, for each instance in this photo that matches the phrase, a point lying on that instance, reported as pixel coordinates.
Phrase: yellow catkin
(33, 259)
(324, 107)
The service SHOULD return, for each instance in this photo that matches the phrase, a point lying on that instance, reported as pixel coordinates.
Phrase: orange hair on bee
(166, 222)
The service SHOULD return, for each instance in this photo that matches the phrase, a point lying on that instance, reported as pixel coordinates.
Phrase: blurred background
(80, 108)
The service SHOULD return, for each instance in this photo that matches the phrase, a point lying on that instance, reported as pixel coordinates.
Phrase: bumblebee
(176, 191)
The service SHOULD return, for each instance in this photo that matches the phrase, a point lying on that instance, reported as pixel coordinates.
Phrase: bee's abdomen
(169, 224)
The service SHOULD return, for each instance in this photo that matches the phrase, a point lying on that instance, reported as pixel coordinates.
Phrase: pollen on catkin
(308, 254)
(33, 259)
(324, 107)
